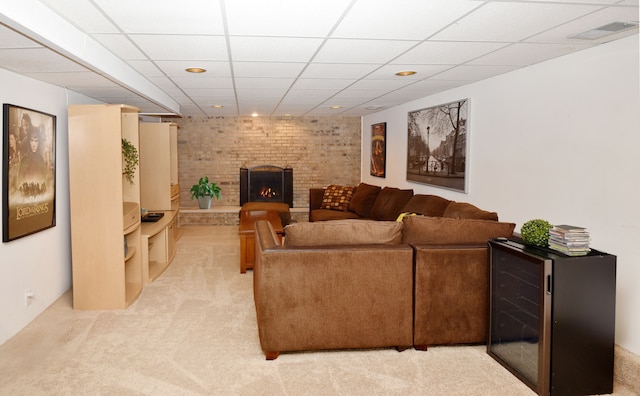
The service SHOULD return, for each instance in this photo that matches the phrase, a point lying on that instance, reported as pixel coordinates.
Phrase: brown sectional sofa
(333, 296)
(376, 203)
(348, 284)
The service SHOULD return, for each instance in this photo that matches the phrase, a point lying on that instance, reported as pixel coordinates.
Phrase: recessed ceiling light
(335, 107)
(405, 73)
(195, 70)
(217, 106)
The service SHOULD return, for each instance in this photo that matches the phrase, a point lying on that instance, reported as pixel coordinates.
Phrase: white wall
(560, 141)
(42, 261)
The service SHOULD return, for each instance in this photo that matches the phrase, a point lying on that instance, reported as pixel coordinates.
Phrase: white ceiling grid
(288, 57)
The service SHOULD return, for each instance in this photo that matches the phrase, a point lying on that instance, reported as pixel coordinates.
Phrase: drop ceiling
(289, 57)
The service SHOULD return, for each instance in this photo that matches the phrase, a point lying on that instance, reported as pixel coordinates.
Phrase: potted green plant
(130, 159)
(536, 232)
(204, 192)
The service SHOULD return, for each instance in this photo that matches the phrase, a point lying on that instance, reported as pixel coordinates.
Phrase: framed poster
(378, 149)
(437, 145)
(29, 172)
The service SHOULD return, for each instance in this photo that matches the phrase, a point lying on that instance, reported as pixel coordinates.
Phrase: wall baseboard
(626, 369)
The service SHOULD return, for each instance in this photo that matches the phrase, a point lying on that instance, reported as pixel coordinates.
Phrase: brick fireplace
(266, 183)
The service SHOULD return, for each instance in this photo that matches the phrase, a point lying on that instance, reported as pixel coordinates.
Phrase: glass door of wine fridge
(520, 320)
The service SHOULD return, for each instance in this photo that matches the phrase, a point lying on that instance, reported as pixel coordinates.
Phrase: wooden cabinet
(104, 207)
(159, 192)
(158, 246)
(159, 188)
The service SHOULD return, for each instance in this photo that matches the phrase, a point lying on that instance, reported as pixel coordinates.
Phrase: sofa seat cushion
(463, 210)
(363, 199)
(327, 214)
(389, 203)
(343, 232)
(442, 230)
(426, 205)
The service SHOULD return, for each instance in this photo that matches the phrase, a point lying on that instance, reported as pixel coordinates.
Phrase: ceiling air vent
(599, 32)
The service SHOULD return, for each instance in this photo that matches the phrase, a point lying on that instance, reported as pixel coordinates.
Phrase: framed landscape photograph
(29, 169)
(378, 149)
(437, 145)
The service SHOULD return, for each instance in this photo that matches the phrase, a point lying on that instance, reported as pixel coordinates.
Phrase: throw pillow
(343, 232)
(363, 199)
(389, 203)
(427, 205)
(337, 197)
(423, 229)
(463, 210)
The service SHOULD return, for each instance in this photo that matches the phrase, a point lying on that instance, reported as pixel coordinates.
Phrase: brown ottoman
(281, 208)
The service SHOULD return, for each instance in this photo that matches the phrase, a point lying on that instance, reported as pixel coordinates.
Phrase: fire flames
(268, 192)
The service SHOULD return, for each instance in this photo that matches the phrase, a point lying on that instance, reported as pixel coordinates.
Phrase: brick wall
(321, 151)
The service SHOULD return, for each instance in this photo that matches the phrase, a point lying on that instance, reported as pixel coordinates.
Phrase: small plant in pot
(536, 232)
(204, 192)
(130, 160)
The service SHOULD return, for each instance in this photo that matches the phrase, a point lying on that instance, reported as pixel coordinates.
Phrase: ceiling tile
(210, 92)
(381, 85)
(83, 15)
(120, 45)
(338, 70)
(362, 51)
(273, 49)
(263, 83)
(284, 17)
(165, 16)
(146, 67)
(473, 73)
(526, 54)
(322, 83)
(406, 20)
(446, 53)
(307, 96)
(511, 21)
(196, 48)
(200, 81)
(612, 14)
(267, 69)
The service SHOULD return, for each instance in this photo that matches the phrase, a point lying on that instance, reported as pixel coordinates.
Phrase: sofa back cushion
(389, 203)
(442, 230)
(363, 199)
(426, 205)
(463, 210)
(343, 232)
(337, 197)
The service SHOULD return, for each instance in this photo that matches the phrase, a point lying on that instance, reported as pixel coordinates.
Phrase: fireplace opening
(266, 183)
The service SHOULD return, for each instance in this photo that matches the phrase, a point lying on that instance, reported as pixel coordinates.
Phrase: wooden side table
(247, 234)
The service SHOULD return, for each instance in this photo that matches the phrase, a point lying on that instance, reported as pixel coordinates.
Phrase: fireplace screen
(266, 183)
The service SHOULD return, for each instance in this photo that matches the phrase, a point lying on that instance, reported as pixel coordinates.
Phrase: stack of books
(570, 240)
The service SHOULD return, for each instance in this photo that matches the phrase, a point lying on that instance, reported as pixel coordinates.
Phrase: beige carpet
(193, 332)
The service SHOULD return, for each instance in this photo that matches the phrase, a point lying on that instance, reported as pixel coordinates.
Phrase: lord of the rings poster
(28, 172)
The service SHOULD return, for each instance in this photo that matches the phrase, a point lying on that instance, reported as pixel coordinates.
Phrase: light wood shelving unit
(159, 192)
(159, 188)
(105, 244)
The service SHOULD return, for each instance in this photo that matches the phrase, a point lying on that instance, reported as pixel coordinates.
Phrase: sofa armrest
(451, 294)
(334, 297)
(315, 199)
